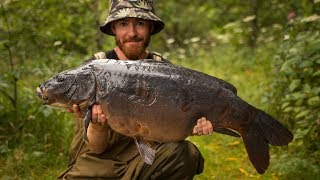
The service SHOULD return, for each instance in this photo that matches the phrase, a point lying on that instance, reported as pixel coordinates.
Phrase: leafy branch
(13, 99)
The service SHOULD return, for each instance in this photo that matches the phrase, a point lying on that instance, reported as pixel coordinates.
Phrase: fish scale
(160, 102)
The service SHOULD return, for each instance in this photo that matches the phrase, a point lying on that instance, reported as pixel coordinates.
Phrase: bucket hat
(143, 9)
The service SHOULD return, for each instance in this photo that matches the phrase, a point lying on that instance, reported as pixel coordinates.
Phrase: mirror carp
(161, 102)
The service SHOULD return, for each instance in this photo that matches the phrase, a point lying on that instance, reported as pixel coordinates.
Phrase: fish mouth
(41, 94)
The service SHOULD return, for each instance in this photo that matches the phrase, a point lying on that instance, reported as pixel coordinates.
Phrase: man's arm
(98, 131)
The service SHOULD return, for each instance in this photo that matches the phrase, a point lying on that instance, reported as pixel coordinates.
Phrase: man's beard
(133, 53)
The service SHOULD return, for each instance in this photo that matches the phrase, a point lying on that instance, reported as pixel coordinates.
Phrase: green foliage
(225, 22)
(40, 38)
(37, 39)
(297, 94)
(295, 167)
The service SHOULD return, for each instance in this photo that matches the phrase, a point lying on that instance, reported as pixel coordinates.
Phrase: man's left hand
(203, 127)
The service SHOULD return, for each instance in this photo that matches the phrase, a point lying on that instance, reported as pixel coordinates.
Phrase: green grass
(42, 151)
(39, 148)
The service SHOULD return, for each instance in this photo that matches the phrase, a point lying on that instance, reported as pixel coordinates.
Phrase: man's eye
(141, 23)
(123, 24)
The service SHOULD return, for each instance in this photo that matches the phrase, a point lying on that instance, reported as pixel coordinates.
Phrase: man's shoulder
(110, 54)
(99, 55)
(158, 57)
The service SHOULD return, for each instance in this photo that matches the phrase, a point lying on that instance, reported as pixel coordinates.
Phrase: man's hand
(98, 133)
(76, 111)
(98, 117)
(203, 127)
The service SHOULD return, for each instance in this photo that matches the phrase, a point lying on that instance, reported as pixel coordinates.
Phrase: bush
(296, 96)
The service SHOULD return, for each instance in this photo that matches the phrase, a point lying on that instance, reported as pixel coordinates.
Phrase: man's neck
(122, 56)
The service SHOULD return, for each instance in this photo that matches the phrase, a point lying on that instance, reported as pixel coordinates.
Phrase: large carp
(161, 102)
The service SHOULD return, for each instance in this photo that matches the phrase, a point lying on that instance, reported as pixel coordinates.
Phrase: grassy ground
(44, 157)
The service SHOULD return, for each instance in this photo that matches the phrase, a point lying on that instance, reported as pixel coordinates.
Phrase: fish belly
(155, 115)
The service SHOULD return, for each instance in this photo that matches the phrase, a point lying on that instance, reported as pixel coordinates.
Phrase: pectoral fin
(147, 153)
(86, 121)
(226, 131)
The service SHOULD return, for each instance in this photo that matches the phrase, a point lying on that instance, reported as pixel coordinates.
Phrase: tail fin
(263, 131)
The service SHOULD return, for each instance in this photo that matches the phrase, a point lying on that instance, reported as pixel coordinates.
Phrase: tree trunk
(99, 35)
(254, 24)
(11, 65)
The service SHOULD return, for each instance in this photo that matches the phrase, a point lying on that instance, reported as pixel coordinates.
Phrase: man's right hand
(98, 131)
(98, 117)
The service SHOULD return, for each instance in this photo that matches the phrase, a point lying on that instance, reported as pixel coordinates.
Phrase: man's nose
(132, 30)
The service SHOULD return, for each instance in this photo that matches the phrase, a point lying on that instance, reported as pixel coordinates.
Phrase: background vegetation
(269, 50)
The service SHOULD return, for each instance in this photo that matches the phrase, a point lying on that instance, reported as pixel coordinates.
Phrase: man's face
(132, 36)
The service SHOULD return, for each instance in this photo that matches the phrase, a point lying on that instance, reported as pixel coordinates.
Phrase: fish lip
(40, 93)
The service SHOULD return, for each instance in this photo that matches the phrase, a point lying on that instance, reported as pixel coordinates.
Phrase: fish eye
(60, 78)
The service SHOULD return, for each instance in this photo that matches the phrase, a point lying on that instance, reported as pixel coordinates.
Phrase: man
(108, 154)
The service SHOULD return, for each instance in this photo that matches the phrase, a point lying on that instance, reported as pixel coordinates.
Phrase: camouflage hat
(143, 9)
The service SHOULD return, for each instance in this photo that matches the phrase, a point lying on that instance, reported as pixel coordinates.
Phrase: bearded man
(108, 154)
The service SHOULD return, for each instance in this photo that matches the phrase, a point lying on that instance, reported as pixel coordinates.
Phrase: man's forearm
(99, 138)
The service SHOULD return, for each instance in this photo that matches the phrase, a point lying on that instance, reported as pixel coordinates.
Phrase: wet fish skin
(144, 88)
(162, 102)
